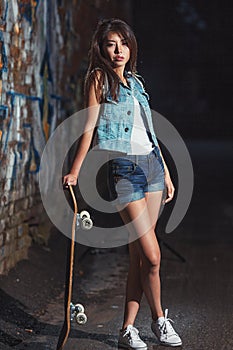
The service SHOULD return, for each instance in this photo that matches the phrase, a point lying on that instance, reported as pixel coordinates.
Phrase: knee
(153, 263)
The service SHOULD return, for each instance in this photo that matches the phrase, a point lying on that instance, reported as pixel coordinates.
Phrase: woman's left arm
(168, 182)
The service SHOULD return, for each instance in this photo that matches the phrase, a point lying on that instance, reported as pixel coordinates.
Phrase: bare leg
(134, 288)
(144, 257)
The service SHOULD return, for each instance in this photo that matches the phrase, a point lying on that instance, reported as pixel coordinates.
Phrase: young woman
(121, 118)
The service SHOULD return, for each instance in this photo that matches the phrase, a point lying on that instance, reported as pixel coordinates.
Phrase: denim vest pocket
(121, 98)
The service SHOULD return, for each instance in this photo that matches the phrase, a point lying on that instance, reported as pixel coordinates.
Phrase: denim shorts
(131, 176)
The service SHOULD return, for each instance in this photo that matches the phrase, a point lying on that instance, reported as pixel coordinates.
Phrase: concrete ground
(197, 292)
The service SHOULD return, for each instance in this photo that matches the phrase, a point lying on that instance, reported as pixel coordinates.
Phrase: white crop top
(140, 142)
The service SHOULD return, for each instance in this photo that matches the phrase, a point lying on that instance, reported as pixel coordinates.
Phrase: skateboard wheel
(81, 318)
(86, 224)
(79, 308)
(84, 214)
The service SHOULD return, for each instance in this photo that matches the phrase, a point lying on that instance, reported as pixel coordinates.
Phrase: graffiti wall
(43, 57)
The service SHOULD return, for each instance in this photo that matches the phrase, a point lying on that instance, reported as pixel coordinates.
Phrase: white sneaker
(164, 331)
(129, 339)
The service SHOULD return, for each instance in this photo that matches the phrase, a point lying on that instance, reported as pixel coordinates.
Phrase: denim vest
(115, 121)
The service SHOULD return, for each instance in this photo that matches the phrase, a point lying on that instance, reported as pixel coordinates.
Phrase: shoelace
(132, 332)
(166, 327)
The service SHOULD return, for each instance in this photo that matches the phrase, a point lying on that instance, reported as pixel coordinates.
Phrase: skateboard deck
(72, 311)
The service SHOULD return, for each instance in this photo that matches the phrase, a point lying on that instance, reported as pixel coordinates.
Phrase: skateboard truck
(77, 313)
(84, 221)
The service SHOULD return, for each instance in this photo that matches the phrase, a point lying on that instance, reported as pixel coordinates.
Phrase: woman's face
(116, 49)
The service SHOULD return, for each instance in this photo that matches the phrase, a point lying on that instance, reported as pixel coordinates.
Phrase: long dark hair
(100, 67)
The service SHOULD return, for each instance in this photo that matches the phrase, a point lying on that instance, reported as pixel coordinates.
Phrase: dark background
(185, 57)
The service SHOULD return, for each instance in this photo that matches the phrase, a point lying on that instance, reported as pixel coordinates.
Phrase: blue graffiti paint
(3, 116)
(18, 154)
(14, 171)
(3, 54)
(3, 112)
(56, 97)
(26, 125)
(6, 12)
(28, 97)
(20, 149)
(9, 124)
(26, 10)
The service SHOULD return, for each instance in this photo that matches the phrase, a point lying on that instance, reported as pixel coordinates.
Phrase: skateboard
(73, 312)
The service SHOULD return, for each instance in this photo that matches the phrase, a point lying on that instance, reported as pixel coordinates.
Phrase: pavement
(197, 286)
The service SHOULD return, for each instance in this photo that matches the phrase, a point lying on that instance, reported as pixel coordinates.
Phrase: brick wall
(43, 57)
